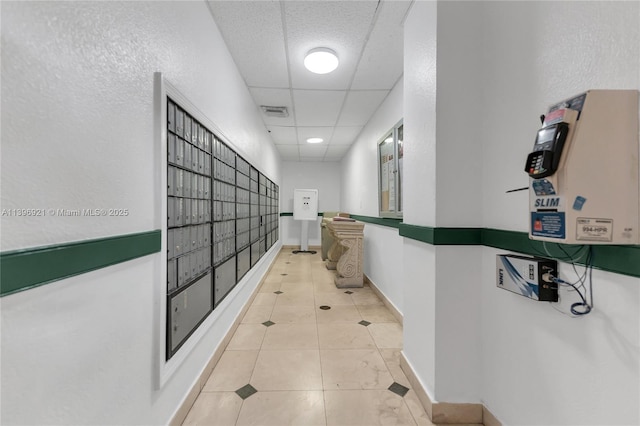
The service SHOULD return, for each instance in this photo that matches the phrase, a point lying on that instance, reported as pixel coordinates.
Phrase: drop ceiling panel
(317, 107)
(382, 61)
(253, 32)
(345, 135)
(339, 25)
(314, 132)
(315, 151)
(368, 38)
(289, 152)
(274, 97)
(283, 135)
(337, 151)
(360, 106)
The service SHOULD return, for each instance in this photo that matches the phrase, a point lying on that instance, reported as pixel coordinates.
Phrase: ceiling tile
(339, 25)
(360, 105)
(316, 151)
(332, 159)
(382, 61)
(337, 151)
(282, 135)
(274, 97)
(345, 135)
(289, 152)
(253, 32)
(314, 132)
(317, 107)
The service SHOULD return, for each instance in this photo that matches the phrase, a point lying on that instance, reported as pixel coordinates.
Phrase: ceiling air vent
(275, 111)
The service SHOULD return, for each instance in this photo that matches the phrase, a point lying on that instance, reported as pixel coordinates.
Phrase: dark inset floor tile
(278, 292)
(268, 323)
(398, 389)
(246, 391)
(325, 307)
(365, 323)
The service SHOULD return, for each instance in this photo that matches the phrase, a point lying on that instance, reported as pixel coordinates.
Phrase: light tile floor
(292, 363)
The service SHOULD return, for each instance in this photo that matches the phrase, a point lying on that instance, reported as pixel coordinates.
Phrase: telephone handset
(547, 149)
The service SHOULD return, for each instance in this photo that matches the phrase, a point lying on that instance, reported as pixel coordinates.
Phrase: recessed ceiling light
(315, 140)
(321, 60)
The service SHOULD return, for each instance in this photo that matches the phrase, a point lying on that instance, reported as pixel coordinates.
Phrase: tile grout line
(315, 312)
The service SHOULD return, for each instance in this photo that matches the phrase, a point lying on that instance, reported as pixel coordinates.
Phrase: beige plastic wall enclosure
(593, 198)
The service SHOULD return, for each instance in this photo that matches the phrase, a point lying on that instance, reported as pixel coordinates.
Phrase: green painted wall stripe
(27, 268)
(384, 221)
(619, 259)
(442, 236)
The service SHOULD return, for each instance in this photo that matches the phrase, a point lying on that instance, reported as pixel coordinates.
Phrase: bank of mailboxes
(222, 216)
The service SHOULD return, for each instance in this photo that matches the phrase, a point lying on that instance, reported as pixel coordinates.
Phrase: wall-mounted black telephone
(545, 158)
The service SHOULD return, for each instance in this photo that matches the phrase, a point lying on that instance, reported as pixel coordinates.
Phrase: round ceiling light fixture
(315, 140)
(321, 60)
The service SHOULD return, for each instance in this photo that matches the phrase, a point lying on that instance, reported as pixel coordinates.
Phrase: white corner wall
(383, 248)
(360, 165)
(419, 263)
(579, 371)
(477, 77)
(78, 132)
(323, 176)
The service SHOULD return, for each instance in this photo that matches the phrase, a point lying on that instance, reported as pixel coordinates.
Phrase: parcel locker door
(255, 253)
(244, 262)
(187, 309)
(225, 279)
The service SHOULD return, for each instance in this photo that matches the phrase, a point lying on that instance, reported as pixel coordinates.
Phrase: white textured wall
(78, 132)
(323, 176)
(419, 263)
(360, 165)
(499, 65)
(383, 245)
(383, 257)
(582, 371)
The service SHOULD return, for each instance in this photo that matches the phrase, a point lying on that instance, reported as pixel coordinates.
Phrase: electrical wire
(586, 305)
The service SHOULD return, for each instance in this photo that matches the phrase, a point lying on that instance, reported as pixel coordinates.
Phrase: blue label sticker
(548, 224)
(578, 203)
(543, 187)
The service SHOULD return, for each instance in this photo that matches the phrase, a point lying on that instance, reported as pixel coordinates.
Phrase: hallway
(291, 362)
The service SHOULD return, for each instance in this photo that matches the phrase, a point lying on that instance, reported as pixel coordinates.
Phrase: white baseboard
(394, 311)
(447, 413)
